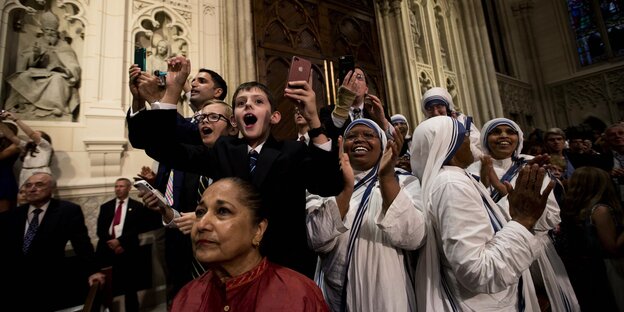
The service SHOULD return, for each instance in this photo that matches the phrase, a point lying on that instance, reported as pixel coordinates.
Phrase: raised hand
(489, 177)
(305, 99)
(178, 70)
(185, 222)
(149, 88)
(390, 156)
(343, 199)
(540, 160)
(346, 96)
(526, 201)
(373, 106)
(148, 175)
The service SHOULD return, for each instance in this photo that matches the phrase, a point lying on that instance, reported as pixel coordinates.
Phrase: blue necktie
(253, 159)
(32, 230)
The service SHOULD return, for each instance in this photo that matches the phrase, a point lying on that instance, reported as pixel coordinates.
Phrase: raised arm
(303, 95)
(178, 71)
(9, 134)
(32, 134)
(388, 182)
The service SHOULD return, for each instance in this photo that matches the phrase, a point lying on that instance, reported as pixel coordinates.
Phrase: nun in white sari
(501, 139)
(476, 258)
(365, 234)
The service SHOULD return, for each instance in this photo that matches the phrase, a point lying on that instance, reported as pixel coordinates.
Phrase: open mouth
(206, 131)
(249, 119)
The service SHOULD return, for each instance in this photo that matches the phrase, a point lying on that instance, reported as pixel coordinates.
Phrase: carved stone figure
(416, 34)
(45, 84)
(158, 60)
(425, 82)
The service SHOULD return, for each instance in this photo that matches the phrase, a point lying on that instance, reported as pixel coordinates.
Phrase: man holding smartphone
(353, 102)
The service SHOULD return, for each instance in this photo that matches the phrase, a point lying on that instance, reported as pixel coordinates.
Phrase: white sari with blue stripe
(365, 256)
(474, 259)
(552, 270)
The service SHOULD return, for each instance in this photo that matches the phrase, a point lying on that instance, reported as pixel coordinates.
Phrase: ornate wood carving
(319, 31)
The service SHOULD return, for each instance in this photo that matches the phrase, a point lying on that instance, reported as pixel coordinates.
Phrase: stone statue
(158, 60)
(45, 84)
(416, 34)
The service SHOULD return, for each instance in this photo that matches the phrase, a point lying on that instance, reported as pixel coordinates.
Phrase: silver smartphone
(144, 186)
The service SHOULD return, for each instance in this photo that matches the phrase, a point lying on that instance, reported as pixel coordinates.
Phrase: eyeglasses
(212, 117)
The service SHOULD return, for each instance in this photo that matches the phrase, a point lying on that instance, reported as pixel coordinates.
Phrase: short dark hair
(124, 179)
(246, 86)
(218, 81)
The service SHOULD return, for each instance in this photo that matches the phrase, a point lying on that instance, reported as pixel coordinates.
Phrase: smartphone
(140, 58)
(144, 186)
(162, 78)
(346, 63)
(300, 69)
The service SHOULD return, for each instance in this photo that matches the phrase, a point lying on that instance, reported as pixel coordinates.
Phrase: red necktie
(117, 218)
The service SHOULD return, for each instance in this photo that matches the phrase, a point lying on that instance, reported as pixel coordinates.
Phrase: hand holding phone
(300, 69)
(140, 58)
(147, 188)
(346, 63)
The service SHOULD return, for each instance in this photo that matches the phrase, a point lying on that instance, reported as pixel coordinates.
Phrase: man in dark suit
(354, 102)
(282, 171)
(118, 226)
(33, 238)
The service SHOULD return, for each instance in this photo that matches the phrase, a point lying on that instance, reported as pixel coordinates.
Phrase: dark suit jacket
(186, 131)
(45, 264)
(605, 161)
(284, 171)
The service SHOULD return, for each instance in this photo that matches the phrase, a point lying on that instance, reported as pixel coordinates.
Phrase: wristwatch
(313, 133)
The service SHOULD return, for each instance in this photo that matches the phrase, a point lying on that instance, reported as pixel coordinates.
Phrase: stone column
(480, 77)
(237, 31)
(399, 59)
(522, 11)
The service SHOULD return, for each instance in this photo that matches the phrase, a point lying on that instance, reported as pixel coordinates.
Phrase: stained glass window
(598, 27)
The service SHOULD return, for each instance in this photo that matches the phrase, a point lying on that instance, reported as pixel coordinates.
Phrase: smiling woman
(502, 139)
(226, 238)
(371, 226)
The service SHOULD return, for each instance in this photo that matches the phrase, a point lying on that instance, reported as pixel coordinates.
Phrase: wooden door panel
(319, 31)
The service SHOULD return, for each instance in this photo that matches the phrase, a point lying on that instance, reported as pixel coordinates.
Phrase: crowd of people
(358, 212)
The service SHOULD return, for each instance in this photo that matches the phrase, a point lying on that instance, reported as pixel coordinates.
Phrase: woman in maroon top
(227, 237)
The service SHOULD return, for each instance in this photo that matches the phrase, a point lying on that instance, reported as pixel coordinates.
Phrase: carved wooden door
(319, 31)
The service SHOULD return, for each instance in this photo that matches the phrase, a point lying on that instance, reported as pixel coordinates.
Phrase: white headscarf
(399, 117)
(491, 125)
(434, 143)
(437, 95)
(371, 124)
